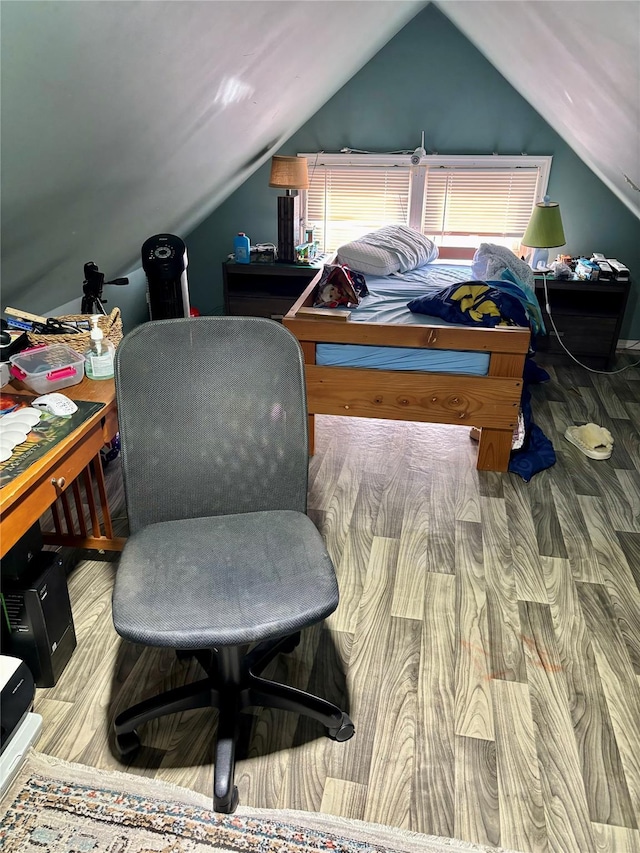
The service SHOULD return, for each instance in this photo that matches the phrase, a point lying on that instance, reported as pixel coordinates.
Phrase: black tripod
(92, 301)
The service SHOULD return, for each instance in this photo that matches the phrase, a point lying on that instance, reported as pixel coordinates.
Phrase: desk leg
(73, 532)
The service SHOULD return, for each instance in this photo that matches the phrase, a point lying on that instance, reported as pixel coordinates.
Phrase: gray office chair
(222, 560)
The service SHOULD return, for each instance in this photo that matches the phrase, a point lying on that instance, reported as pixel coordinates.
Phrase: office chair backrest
(213, 418)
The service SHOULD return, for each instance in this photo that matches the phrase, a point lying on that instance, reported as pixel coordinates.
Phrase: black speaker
(38, 610)
(19, 559)
(164, 260)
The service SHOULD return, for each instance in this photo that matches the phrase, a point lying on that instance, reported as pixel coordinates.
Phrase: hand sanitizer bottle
(242, 248)
(99, 356)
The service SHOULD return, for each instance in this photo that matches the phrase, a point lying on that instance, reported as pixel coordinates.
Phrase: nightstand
(267, 290)
(588, 316)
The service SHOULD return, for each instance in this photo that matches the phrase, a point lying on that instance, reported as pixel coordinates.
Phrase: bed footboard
(489, 402)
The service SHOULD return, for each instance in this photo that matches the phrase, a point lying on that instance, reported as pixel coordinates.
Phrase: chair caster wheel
(344, 731)
(290, 643)
(226, 805)
(127, 743)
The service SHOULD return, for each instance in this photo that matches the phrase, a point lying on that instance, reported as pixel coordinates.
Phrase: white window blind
(344, 202)
(457, 200)
(486, 202)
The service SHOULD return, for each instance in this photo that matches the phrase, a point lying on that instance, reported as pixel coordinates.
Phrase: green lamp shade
(545, 227)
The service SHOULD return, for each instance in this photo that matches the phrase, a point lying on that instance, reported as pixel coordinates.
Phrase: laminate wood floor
(487, 642)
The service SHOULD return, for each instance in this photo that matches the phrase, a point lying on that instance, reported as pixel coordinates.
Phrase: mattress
(387, 303)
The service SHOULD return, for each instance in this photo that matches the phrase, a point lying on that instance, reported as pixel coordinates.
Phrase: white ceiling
(578, 64)
(114, 113)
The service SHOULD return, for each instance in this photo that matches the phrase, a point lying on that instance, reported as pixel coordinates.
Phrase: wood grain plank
(490, 485)
(505, 647)
(566, 810)
(630, 516)
(392, 767)
(616, 575)
(483, 401)
(441, 540)
(338, 511)
(528, 576)
(522, 818)
(619, 507)
(503, 340)
(606, 388)
(602, 772)
(477, 808)
(351, 573)
(346, 799)
(433, 801)
(408, 586)
(388, 521)
(582, 558)
(545, 519)
(312, 752)
(630, 544)
(629, 435)
(618, 681)
(467, 500)
(616, 839)
(368, 660)
(473, 709)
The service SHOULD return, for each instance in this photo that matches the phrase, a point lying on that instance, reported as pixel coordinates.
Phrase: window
(457, 201)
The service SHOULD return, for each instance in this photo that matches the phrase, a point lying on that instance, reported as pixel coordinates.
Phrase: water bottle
(242, 248)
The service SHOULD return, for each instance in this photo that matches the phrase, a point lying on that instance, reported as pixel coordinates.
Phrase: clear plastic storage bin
(48, 368)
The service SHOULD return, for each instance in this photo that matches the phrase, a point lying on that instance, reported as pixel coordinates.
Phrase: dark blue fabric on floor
(537, 452)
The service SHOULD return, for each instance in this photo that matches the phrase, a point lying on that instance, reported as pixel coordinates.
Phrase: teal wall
(431, 78)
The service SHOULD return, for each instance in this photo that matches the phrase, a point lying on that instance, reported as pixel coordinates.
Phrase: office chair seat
(222, 562)
(280, 581)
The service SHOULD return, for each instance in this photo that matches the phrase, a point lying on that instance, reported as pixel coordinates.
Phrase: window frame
(419, 172)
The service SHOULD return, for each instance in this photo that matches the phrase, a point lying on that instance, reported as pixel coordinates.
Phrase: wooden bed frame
(489, 402)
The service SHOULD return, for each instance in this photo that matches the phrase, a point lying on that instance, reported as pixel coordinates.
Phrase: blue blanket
(500, 303)
(483, 303)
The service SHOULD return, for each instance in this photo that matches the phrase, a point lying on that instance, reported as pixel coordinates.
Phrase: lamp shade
(289, 173)
(545, 227)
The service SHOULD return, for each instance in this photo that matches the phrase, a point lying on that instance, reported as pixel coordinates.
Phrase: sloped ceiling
(124, 119)
(578, 64)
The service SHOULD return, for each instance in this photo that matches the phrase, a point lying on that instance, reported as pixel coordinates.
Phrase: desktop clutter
(266, 253)
(48, 354)
(595, 268)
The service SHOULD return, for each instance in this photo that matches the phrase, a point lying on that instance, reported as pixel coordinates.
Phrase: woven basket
(111, 326)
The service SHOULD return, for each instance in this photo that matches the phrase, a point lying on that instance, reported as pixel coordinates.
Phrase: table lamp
(288, 173)
(544, 231)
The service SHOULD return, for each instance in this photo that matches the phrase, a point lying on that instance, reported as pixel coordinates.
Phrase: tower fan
(164, 260)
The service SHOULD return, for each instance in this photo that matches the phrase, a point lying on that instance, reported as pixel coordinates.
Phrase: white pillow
(368, 259)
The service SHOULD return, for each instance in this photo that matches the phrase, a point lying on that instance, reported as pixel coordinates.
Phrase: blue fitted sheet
(387, 303)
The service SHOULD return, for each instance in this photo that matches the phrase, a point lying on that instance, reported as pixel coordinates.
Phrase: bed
(437, 372)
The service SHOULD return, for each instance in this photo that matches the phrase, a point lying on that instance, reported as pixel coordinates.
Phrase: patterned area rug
(56, 807)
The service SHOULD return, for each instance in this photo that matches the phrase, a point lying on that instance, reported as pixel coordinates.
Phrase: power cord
(570, 354)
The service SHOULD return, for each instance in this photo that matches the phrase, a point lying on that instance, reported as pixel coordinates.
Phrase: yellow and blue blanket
(507, 302)
(504, 302)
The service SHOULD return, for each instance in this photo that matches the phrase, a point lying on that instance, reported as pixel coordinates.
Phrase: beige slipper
(594, 441)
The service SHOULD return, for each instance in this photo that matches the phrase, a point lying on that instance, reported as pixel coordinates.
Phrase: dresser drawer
(581, 335)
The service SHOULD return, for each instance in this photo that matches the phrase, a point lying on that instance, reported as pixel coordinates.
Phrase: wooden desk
(67, 466)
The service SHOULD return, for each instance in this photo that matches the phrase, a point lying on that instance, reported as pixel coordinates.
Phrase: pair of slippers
(594, 441)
